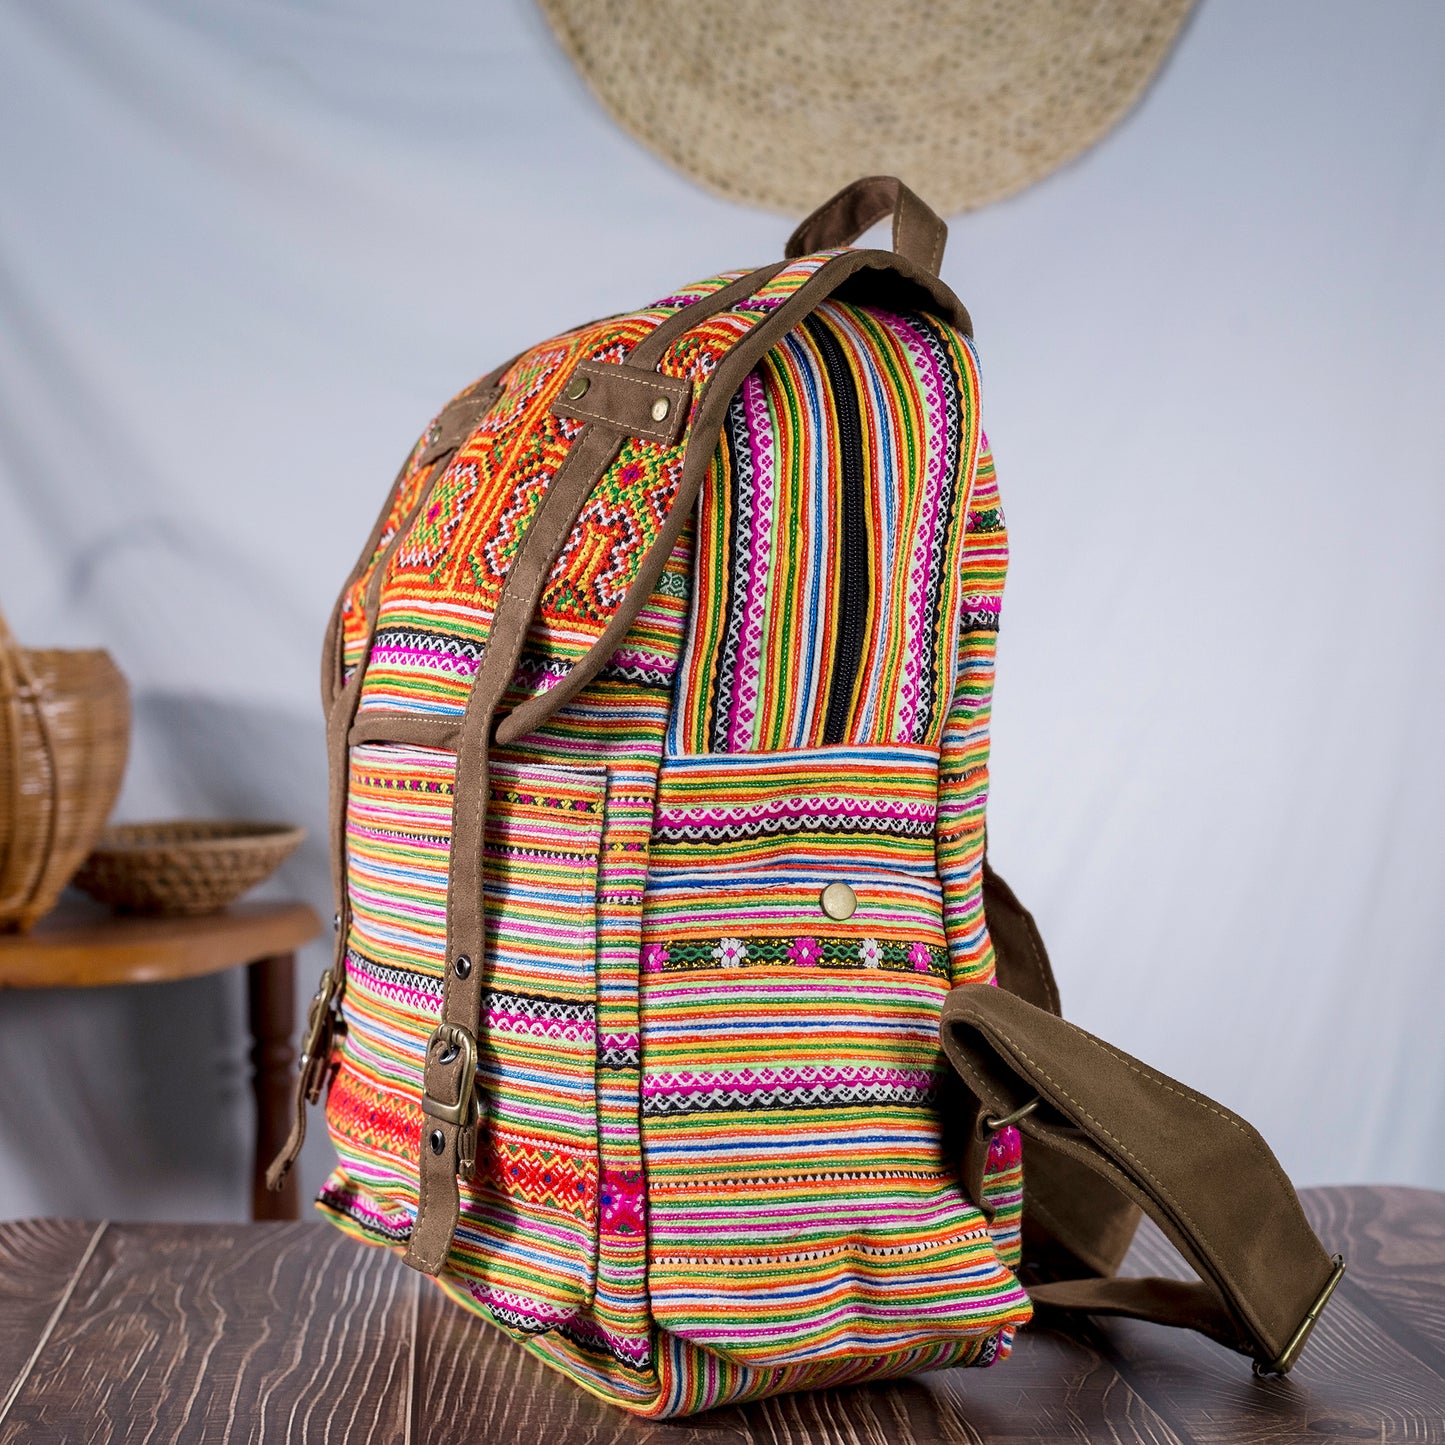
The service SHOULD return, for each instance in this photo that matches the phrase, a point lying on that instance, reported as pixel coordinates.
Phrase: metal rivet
(838, 901)
(660, 409)
(448, 1054)
(336, 924)
(438, 1141)
(463, 966)
(576, 389)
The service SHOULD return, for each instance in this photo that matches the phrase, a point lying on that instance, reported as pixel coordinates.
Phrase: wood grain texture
(291, 1333)
(84, 946)
(252, 1334)
(1361, 1375)
(39, 1259)
(1396, 1253)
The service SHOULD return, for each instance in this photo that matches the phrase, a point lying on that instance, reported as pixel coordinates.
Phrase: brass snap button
(838, 901)
(660, 409)
(576, 388)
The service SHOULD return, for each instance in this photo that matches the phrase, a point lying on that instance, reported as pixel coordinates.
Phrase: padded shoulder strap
(1074, 1222)
(1200, 1172)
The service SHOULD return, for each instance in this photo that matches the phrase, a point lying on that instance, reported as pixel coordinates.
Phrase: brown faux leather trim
(1182, 1304)
(919, 233)
(409, 728)
(1202, 1173)
(458, 420)
(624, 397)
(648, 352)
(526, 717)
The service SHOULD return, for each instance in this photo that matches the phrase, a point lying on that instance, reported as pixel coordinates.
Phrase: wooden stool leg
(271, 994)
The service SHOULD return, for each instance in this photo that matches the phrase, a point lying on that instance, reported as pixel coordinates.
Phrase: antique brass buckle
(1285, 1362)
(455, 1040)
(321, 1019)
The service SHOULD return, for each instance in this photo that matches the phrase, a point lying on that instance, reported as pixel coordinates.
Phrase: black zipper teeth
(853, 598)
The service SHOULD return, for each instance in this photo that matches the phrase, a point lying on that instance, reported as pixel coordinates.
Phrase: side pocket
(804, 1200)
(526, 1244)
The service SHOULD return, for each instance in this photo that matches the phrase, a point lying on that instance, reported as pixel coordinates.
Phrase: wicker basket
(64, 732)
(184, 867)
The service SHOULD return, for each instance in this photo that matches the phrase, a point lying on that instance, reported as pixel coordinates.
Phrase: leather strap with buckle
(322, 1023)
(1284, 1362)
(1200, 1172)
(449, 1044)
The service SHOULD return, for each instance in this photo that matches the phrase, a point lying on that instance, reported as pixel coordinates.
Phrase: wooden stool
(81, 946)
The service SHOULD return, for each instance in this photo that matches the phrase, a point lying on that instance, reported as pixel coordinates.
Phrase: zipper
(855, 580)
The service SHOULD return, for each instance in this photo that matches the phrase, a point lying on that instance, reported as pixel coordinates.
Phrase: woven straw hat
(779, 102)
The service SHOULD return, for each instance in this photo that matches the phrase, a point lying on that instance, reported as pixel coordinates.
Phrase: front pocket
(803, 1205)
(526, 1243)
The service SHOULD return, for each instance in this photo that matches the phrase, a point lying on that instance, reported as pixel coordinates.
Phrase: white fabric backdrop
(245, 250)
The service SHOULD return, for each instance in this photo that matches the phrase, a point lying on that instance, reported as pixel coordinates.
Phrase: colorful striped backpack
(658, 714)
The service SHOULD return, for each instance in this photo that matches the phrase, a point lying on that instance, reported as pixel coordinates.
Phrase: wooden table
(84, 946)
(277, 1333)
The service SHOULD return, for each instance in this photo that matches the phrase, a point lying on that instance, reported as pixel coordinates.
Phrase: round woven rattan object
(64, 734)
(184, 867)
(782, 102)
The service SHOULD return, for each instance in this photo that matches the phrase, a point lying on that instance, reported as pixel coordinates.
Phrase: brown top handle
(919, 235)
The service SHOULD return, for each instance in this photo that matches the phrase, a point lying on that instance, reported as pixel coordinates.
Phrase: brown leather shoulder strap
(1199, 1171)
(1074, 1222)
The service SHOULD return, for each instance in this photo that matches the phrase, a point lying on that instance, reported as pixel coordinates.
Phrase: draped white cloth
(246, 249)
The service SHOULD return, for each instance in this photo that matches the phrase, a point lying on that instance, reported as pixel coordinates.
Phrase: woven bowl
(64, 729)
(184, 867)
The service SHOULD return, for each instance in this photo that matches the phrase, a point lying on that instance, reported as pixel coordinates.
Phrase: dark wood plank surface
(39, 1259)
(235, 1333)
(292, 1333)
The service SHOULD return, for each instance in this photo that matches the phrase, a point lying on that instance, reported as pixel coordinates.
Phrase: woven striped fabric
(715, 1161)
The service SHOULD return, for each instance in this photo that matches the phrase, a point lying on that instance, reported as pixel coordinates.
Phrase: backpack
(678, 1024)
